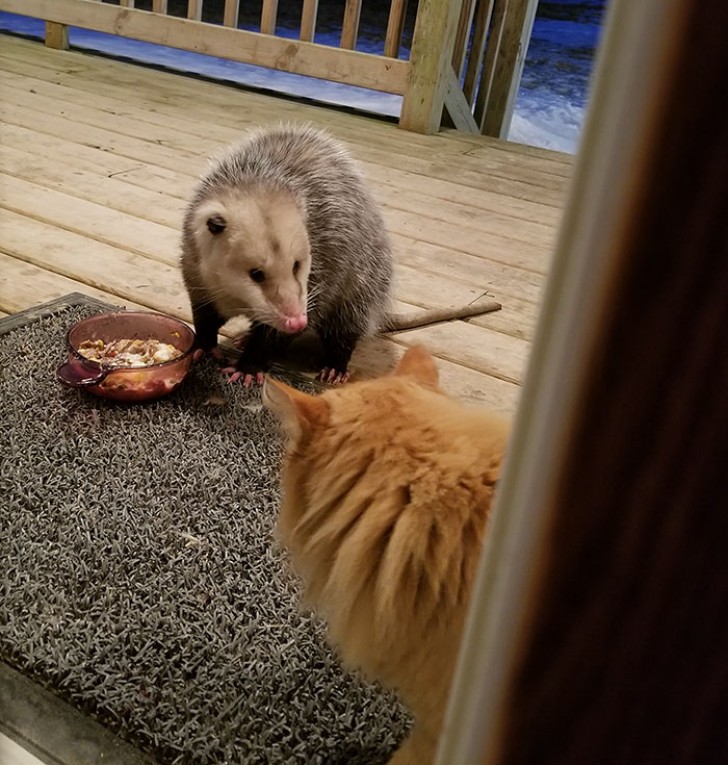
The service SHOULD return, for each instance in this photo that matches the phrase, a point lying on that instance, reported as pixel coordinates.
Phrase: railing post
(502, 85)
(430, 65)
(56, 35)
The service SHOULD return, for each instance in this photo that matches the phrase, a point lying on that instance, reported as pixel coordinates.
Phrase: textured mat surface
(139, 575)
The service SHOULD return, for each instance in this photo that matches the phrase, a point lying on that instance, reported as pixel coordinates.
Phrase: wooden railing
(475, 84)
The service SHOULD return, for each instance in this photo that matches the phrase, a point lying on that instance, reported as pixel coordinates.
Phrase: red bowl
(127, 383)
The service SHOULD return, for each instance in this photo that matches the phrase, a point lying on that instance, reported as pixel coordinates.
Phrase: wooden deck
(98, 158)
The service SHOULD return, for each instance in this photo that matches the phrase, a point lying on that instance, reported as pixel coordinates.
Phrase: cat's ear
(418, 363)
(296, 410)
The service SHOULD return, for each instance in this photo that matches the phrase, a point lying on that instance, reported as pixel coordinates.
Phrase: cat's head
(302, 414)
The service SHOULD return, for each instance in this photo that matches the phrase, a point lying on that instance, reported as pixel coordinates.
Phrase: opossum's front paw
(248, 378)
(215, 352)
(333, 376)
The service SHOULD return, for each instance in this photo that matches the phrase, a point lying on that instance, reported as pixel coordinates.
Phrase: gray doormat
(140, 581)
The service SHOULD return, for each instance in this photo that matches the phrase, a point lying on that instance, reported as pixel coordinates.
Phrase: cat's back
(420, 423)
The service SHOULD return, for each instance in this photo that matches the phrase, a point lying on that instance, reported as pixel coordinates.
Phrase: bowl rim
(111, 369)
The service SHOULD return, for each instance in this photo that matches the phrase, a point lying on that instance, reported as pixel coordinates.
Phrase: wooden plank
(482, 172)
(399, 196)
(483, 243)
(350, 25)
(395, 24)
(498, 280)
(407, 225)
(420, 272)
(156, 152)
(151, 240)
(268, 17)
(484, 350)
(432, 45)
(308, 20)
(510, 58)
(126, 3)
(100, 265)
(148, 239)
(87, 183)
(36, 60)
(351, 67)
(369, 130)
(159, 6)
(427, 290)
(23, 285)
(231, 13)
(377, 356)
(121, 145)
(53, 147)
(56, 36)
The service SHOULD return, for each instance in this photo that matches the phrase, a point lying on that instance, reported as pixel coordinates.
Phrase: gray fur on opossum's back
(351, 267)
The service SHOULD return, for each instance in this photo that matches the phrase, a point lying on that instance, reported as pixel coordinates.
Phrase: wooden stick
(400, 321)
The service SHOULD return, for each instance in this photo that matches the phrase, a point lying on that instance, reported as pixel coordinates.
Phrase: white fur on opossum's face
(255, 258)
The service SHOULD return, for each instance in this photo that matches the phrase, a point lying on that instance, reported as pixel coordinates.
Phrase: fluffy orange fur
(387, 487)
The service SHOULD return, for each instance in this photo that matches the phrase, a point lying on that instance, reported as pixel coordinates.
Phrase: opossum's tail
(395, 322)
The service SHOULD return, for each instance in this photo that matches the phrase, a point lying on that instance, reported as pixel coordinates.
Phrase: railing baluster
(56, 36)
(482, 22)
(232, 10)
(268, 17)
(517, 26)
(461, 38)
(350, 27)
(194, 9)
(488, 71)
(308, 20)
(393, 40)
(159, 6)
(126, 3)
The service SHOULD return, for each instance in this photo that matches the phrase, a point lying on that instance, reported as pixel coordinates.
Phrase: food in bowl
(128, 355)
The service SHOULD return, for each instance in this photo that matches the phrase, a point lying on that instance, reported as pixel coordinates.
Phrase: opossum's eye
(296, 266)
(257, 275)
(216, 224)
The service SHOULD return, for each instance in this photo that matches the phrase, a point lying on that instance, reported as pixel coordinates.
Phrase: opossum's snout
(293, 324)
(292, 316)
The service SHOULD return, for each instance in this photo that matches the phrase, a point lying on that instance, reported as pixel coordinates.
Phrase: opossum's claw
(233, 374)
(332, 376)
(248, 378)
(197, 355)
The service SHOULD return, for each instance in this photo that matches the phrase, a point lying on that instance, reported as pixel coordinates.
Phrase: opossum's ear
(417, 362)
(298, 412)
(216, 224)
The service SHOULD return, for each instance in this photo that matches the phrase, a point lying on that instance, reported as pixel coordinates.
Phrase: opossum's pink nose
(295, 323)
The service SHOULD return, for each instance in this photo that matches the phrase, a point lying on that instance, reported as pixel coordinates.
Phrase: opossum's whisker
(262, 316)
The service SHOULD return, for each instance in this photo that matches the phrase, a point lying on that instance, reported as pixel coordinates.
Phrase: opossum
(283, 229)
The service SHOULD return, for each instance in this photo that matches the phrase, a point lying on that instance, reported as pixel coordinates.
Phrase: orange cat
(387, 486)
